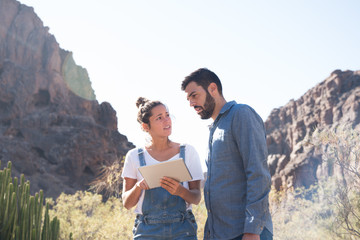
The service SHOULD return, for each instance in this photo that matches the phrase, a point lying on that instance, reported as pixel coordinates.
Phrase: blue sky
(265, 52)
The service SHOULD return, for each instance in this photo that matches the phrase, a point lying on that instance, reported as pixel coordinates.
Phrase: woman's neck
(163, 150)
(160, 144)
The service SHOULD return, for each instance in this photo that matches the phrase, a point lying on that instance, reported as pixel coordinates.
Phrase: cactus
(21, 215)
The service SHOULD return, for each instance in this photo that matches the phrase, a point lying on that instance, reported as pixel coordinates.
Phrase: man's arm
(249, 131)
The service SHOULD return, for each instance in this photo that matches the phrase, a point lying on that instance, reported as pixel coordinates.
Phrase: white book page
(175, 169)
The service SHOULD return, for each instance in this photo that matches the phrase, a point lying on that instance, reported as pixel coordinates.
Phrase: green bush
(86, 216)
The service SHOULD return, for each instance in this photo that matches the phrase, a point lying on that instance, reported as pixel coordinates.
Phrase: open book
(175, 169)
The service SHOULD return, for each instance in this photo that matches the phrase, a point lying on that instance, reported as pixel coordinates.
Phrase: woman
(163, 212)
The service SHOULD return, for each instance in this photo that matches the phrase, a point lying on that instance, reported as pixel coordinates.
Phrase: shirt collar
(223, 110)
(226, 107)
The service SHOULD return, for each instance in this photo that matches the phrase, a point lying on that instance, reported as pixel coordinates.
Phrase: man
(238, 180)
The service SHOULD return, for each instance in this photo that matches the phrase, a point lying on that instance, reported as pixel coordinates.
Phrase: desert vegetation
(328, 210)
(23, 216)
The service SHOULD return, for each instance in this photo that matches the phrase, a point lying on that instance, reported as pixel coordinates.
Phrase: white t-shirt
(132, 164)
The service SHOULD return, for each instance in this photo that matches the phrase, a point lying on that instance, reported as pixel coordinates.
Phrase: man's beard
(209, 106)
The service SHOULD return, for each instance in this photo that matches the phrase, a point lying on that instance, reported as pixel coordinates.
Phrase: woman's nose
(167, 118)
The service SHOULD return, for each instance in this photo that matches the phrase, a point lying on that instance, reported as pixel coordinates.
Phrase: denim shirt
(238, 181)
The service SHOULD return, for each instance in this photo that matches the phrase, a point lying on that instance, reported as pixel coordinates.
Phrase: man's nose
(192, 103)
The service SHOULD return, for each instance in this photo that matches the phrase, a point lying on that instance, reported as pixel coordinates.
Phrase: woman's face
(160, 122)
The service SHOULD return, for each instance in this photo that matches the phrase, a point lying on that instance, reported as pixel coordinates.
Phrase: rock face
(51, 126)
(333, 102)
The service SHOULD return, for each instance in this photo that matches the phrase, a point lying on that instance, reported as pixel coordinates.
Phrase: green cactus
(21, 215)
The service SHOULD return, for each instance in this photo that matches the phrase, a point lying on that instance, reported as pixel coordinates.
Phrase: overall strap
(182, 151)
(182, 155)
(141, 157)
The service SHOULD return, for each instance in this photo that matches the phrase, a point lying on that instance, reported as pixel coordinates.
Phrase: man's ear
(212, 89)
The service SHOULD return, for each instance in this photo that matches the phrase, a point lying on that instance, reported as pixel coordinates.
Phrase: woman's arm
(191, 195)
(132, 191)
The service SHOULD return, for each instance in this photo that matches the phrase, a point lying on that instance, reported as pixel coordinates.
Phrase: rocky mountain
(55, 132)
(331, 103)
(51, 126)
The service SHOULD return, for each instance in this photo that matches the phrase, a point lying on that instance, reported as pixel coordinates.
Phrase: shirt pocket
(223, 144)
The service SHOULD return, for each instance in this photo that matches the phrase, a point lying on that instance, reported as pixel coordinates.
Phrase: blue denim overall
(164, 215)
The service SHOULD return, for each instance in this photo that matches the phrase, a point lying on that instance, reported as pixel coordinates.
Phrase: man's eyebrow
(192, 93)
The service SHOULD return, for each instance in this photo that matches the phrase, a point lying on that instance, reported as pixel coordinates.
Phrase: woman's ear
(145, 127)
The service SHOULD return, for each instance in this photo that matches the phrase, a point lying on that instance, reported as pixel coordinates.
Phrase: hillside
(51, 126)
(333, 102)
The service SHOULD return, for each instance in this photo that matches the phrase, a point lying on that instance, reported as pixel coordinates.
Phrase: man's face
(201, 100)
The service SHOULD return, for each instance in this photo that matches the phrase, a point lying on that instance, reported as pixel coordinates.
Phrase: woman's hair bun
(141, 102)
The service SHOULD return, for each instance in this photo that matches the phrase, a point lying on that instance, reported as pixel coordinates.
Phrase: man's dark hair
(202, 77)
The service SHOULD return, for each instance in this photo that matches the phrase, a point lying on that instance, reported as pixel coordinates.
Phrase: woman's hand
(172, 186)
(191, 195)
(142, 185)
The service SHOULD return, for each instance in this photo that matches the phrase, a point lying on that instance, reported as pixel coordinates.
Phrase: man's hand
(171, 185)
(250, 236)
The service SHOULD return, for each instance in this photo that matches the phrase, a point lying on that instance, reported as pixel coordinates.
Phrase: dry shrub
(341, 151)
(331, 208)
(296, 216)
(109, 181)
